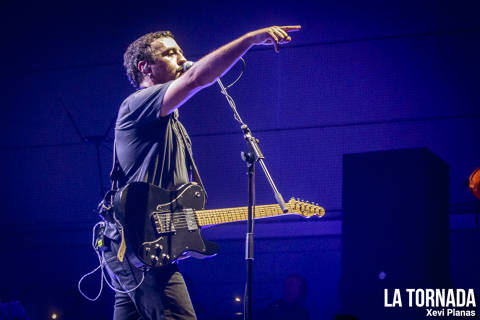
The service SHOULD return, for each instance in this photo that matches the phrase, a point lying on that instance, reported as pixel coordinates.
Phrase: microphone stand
(97, 140)
(253, 155)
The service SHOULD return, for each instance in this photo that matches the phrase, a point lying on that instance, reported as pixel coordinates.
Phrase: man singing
(152, 146)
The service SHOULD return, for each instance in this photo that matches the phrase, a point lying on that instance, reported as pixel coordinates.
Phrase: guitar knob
(165, 258)
(154, 259)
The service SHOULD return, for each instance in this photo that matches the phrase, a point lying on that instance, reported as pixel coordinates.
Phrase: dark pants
(162, 295)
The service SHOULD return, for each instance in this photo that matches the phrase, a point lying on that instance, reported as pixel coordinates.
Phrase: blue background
(359, 76)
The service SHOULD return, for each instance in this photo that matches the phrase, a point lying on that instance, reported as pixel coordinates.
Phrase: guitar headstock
(305, 208)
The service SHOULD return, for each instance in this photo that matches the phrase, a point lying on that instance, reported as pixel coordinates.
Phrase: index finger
(290, 28)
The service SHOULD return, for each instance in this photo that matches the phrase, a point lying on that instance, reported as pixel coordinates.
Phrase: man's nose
(181, 60)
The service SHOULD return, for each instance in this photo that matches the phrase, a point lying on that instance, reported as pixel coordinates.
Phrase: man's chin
(179, 74)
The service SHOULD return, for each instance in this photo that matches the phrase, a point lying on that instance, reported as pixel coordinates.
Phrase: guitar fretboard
(218, 216)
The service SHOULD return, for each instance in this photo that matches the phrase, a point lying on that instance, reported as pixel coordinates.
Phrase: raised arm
(212, 66)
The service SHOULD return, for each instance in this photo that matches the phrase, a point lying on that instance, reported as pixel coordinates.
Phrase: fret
(218, 216)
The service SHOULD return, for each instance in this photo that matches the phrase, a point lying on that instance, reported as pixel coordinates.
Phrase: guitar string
(213, 213)
(180, 219)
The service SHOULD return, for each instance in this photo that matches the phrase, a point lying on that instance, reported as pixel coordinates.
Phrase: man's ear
(143, 67)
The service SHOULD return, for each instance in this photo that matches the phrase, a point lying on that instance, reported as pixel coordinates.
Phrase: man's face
(168, 60)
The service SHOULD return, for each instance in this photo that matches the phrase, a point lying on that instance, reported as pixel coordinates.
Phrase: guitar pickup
(191, 220)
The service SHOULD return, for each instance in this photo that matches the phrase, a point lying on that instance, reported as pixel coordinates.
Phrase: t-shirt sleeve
(142, 106)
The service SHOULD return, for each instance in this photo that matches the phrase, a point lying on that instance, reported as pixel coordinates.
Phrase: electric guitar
(162, 226)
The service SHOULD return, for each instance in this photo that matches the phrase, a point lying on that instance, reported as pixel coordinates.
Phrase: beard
(179, 72)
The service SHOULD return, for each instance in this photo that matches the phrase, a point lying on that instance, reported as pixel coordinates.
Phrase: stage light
(237, 299)
(54, 316)
(382, 275)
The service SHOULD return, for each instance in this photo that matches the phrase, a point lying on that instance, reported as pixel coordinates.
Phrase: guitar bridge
(164, 222)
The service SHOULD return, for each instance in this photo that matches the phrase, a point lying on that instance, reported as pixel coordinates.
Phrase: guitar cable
(97, 246)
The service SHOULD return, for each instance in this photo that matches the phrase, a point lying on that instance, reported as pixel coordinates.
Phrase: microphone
(187, 65)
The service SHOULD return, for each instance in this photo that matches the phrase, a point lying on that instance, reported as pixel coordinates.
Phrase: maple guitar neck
(219, 216)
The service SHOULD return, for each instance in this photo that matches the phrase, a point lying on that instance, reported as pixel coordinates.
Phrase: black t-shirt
(151, 148)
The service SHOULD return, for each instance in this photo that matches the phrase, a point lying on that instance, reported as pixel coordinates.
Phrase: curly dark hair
(140, 50)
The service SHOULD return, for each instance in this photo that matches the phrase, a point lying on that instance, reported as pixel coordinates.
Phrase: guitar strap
(188, 143)
(116, 170)
(115, 175)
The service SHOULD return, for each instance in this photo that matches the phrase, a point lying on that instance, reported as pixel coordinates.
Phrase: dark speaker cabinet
(395, 229)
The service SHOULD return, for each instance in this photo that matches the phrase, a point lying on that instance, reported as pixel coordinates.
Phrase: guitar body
(160, 226)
